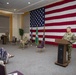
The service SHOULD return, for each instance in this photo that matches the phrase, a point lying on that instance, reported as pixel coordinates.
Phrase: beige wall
(16, 25)
(26, 24)
(4, 24)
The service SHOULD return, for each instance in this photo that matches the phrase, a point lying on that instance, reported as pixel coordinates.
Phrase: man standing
(70, 37)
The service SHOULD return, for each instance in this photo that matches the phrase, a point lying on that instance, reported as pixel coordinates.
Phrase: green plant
(21, 33)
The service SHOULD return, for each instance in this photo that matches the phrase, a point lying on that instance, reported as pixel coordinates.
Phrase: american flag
(58, 16)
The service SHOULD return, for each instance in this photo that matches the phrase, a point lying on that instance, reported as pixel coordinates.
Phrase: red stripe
(50, 30)
(53, 37)
(38, 30)
(60, 10)
(61, 23)
(59, 30)
(51, 43)
(74, 46)
(40, 36)
(62, 16)
(58, 3)
(53, 30)
(34, 35)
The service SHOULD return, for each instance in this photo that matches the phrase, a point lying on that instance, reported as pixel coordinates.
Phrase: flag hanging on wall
(56, 18)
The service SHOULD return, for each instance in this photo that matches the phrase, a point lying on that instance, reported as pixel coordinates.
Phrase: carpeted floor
(30, 62)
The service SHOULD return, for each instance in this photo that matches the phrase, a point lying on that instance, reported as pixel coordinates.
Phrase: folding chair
(41, 46)
(2, 70)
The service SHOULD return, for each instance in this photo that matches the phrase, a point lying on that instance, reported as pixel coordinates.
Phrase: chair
(30, 42)
(14, 40)
(4, 39)
(2, 70)
(24, 43)
(41, 46)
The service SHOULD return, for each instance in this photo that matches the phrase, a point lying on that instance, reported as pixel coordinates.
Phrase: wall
(4, 24)
(16, 25)
(26, 24)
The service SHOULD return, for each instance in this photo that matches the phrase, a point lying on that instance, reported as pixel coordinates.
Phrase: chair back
(42, 43)
(14, 39)
(2, 70)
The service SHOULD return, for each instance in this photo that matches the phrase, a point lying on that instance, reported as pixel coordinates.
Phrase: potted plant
(21, 32)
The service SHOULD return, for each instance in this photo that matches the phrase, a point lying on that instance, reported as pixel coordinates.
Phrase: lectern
(62, 47)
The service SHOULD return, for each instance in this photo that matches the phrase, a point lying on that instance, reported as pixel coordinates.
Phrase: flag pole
(44, 35)
(36, 38)
(31, 40)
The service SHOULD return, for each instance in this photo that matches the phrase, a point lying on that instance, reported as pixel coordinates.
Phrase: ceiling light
(29, 3)
(7, 2)
(14, 9)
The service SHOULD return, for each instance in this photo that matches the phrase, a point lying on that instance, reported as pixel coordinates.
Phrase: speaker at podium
(61, 57)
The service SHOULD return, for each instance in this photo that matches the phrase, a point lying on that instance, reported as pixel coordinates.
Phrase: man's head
(68, 29)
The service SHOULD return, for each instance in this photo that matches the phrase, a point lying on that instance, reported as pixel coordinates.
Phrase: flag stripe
(58, 3)
(74, 46)
(60, 10)
(61, 13)
(52, 33)
(61, 20)
(61, 23)
(48, 36)
(61, 16)
(56, 27)
(53, 30)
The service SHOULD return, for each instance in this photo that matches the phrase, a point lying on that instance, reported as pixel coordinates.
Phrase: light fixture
(14, 9)
(7, 2)
(29, 3)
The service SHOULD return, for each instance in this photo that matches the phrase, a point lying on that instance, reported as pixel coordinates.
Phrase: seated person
(24, 42)
(4, 55)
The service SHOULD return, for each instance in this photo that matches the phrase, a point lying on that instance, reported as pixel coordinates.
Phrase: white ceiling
(22, 5)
